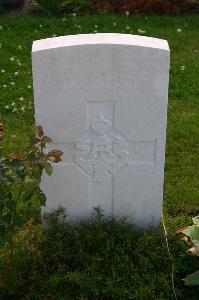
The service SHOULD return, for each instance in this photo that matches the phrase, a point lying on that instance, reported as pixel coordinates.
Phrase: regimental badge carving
(102, 151)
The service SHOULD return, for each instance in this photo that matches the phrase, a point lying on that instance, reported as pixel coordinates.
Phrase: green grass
(181, 196)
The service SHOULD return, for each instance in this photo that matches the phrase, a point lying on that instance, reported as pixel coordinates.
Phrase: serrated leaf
(36, 140)
(192, 279)
(41, 196)
(55, 156)
(46, 139)
(48, 168)
(39, 131)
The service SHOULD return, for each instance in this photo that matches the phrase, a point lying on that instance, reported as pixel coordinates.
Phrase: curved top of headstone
(99, 38)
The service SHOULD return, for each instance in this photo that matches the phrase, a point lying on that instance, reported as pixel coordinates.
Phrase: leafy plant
(191, 237)
(52, 7)
(20, 174)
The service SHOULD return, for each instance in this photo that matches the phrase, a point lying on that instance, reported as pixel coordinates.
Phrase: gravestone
(102, 98)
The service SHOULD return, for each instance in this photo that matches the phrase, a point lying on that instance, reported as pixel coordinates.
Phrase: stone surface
(103, 100)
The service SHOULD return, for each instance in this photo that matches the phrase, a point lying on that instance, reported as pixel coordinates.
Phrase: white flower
(3, 71)
(22, 108)
(141, 31)
(114, 24)
(29, 86)
(13, 103)
(16, 73)
(74, 14)
(4, 85)
(19, 64)
(14, 109)
(19, 48)
(54, 34)
(12, 58)
(21, 98)
(40, 25)
(12, 83)
(127, 13)
(7, 107)
(182, 68)
(96, 25)
(79, 26)
(127, 27)
(179, 30)
(64, 19)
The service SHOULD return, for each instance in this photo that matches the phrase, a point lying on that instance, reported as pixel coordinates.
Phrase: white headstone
(102, 98)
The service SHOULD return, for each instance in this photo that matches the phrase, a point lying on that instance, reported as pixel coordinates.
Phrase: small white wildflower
(12, 58)
(29, 86)
(127, 27)
(96, 26)
(3, 71)
(4, 85)
(74, 14)
(22, 108)
(14, 109)
(21, 98)
(141, 31)
(12, 83)
(19, 64)
(182, 68)
(64, 19)
(19, 47)
(40, 25)
(13, 104)
(16, 73)
(179, 30)
(114, 24)
(7, 107)
(54, 34)
(79, 26)
(127, 13)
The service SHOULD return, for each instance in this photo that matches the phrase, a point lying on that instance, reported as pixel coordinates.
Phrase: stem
(12, 223)
(11, 249)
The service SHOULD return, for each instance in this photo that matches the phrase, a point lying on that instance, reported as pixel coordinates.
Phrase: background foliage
(173, 7)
